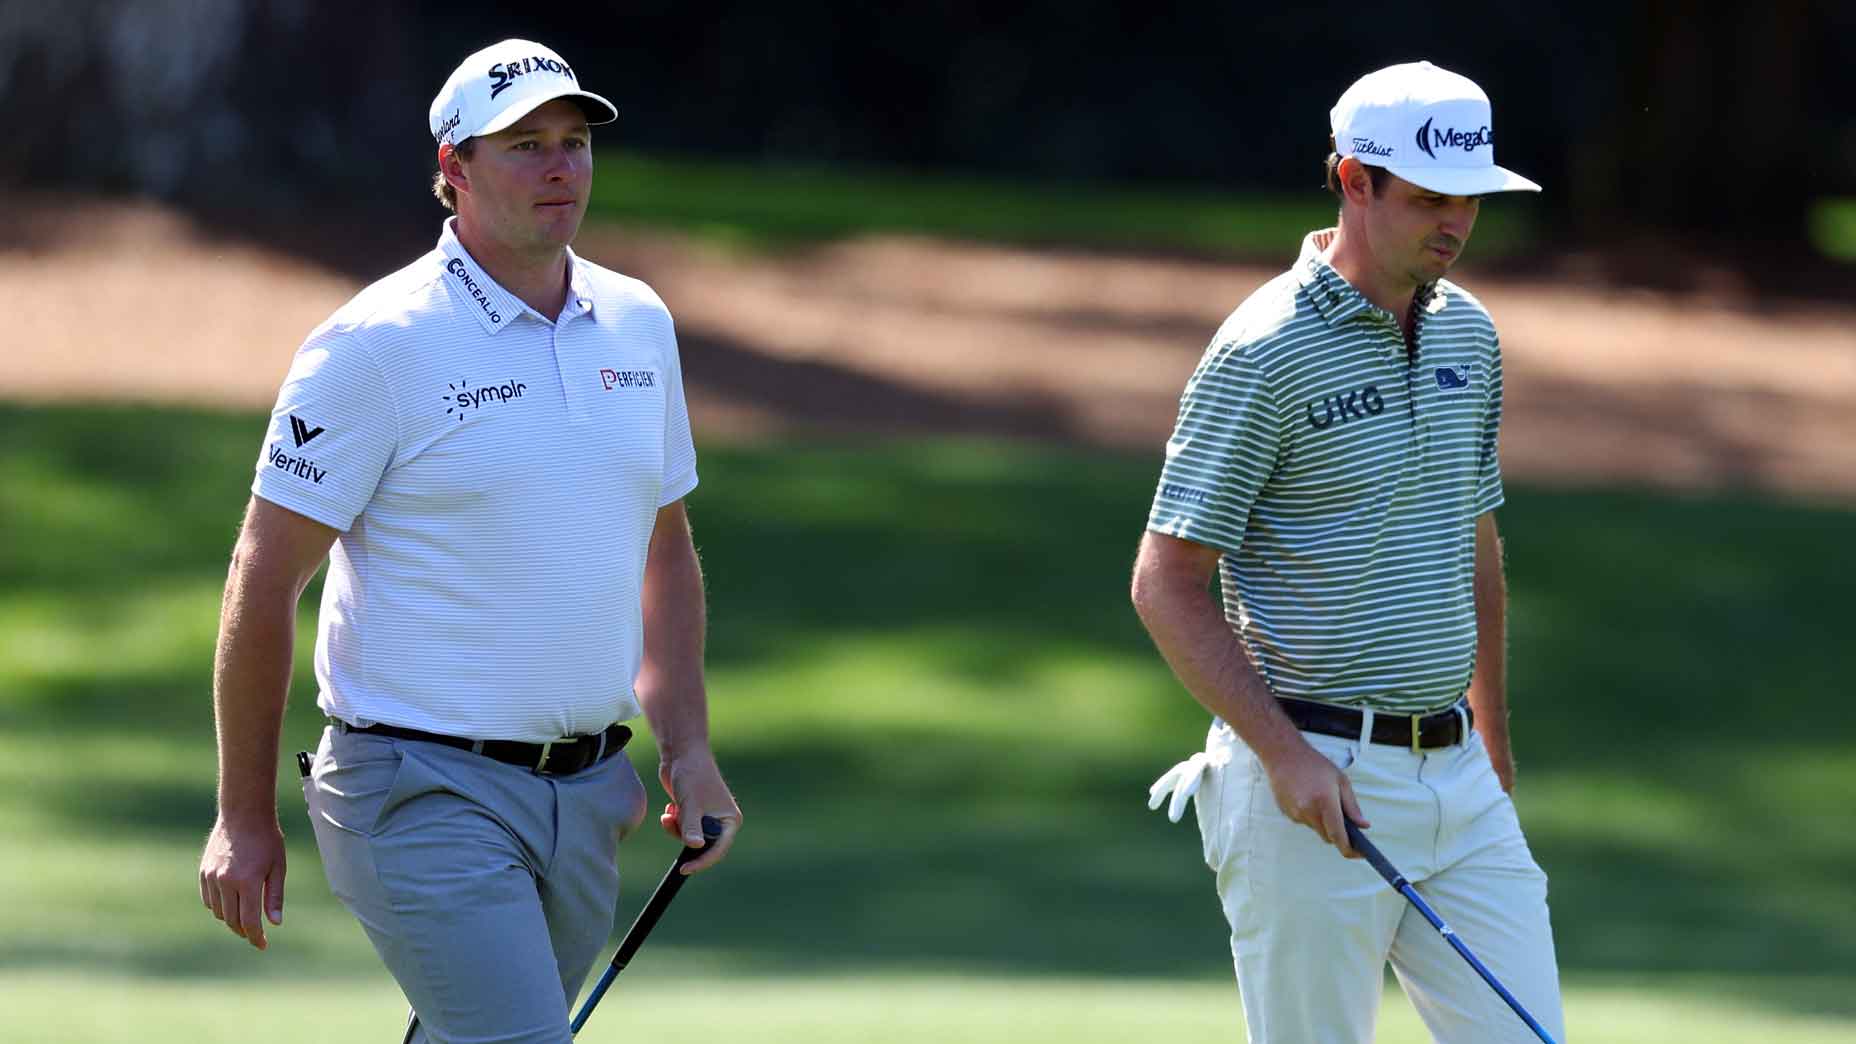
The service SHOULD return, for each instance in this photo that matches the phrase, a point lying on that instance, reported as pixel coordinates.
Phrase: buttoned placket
(565, 362)
(1340, 303)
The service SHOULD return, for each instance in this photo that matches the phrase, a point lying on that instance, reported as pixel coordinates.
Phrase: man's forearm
(1488, 687)
(670, 681)
(251, 681)
(1209, 659)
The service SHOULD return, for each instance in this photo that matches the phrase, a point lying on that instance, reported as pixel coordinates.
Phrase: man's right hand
(241, 874)
(1311, 791)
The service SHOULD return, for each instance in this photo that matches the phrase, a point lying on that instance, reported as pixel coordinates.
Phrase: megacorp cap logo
(1451, 138)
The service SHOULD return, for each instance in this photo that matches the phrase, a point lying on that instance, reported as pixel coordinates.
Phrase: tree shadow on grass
(1655, 640)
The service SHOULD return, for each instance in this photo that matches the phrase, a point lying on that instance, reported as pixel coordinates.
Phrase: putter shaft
(647, 919)
(1403, 887)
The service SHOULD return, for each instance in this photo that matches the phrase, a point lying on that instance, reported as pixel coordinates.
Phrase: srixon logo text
(502, 74)
(1366, 402)
(1451, 138)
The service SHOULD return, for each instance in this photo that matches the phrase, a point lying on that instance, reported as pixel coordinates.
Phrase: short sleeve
(332, 433)
(679, 449)
(1225, 445)
(1489, 495)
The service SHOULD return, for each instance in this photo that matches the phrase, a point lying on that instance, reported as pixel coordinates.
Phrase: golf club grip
(1373, 855)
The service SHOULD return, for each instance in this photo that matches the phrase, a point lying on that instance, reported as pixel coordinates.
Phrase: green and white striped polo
(1342, 482)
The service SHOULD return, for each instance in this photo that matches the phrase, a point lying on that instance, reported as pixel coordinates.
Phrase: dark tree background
(1698, 124)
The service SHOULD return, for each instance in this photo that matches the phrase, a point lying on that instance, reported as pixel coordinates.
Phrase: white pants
(1311, 932)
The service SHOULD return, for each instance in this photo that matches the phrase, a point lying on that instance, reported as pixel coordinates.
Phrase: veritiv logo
(301, 431)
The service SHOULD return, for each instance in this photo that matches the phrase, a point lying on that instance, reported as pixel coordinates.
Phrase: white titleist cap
(503, 83)
(1428, 125)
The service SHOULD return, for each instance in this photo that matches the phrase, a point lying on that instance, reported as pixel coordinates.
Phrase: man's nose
(560, 164)
(1458, 219)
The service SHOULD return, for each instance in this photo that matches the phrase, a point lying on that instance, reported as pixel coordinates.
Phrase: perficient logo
(465, 400)
(1451, 138)
(503, 74)
(610, 379)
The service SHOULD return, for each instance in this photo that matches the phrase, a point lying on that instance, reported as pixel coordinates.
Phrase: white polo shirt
(495, 477)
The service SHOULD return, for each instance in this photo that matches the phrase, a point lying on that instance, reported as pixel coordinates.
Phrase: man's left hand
(696, 789)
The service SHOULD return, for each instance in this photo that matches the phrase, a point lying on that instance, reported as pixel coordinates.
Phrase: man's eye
(527, 145)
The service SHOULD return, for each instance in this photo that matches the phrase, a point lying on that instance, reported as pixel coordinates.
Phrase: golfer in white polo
(1335, 464)
(491, 448)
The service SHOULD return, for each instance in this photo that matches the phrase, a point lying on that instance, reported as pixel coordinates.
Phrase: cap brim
(1466, 181)
(598, 110)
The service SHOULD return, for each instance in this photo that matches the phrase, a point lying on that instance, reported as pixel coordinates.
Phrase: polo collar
(579, 287)
(479, 295)
(1335, 299)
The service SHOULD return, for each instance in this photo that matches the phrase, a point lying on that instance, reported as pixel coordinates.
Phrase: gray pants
(488, 890)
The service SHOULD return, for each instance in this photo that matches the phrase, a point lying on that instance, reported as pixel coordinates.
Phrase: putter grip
(1373, 855)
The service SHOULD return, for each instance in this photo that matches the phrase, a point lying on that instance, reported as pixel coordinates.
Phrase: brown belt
(1420, 732)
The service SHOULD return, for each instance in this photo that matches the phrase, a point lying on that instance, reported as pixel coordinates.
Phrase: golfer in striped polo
(1335, 462)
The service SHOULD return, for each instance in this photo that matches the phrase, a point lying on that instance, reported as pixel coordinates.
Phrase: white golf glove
(1182, 781)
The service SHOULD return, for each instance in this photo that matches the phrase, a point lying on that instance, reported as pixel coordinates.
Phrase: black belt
(1444, 728)
(563, 757)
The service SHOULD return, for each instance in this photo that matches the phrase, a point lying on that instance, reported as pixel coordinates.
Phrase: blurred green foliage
(758, 206)
(1833, 228)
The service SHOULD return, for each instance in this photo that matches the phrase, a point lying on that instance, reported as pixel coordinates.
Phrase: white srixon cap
(1428, 125)
(503, 83)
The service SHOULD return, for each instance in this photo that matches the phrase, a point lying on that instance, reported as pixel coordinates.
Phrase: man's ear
(452, 166)
(1356, 185)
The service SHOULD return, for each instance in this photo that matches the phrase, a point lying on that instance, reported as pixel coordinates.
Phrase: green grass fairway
(762, 205)
(941, 718)
(921, 1009)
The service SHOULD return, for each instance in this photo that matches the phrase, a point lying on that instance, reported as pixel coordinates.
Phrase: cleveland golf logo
(465, 400)
(502, 74)
(450, 124)
(1451, 138)
(1367, 402)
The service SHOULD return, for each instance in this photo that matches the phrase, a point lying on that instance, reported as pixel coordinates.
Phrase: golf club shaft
(647, 919)
(1403, 887)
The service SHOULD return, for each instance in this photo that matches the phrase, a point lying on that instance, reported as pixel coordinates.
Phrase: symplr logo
(466, 400)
